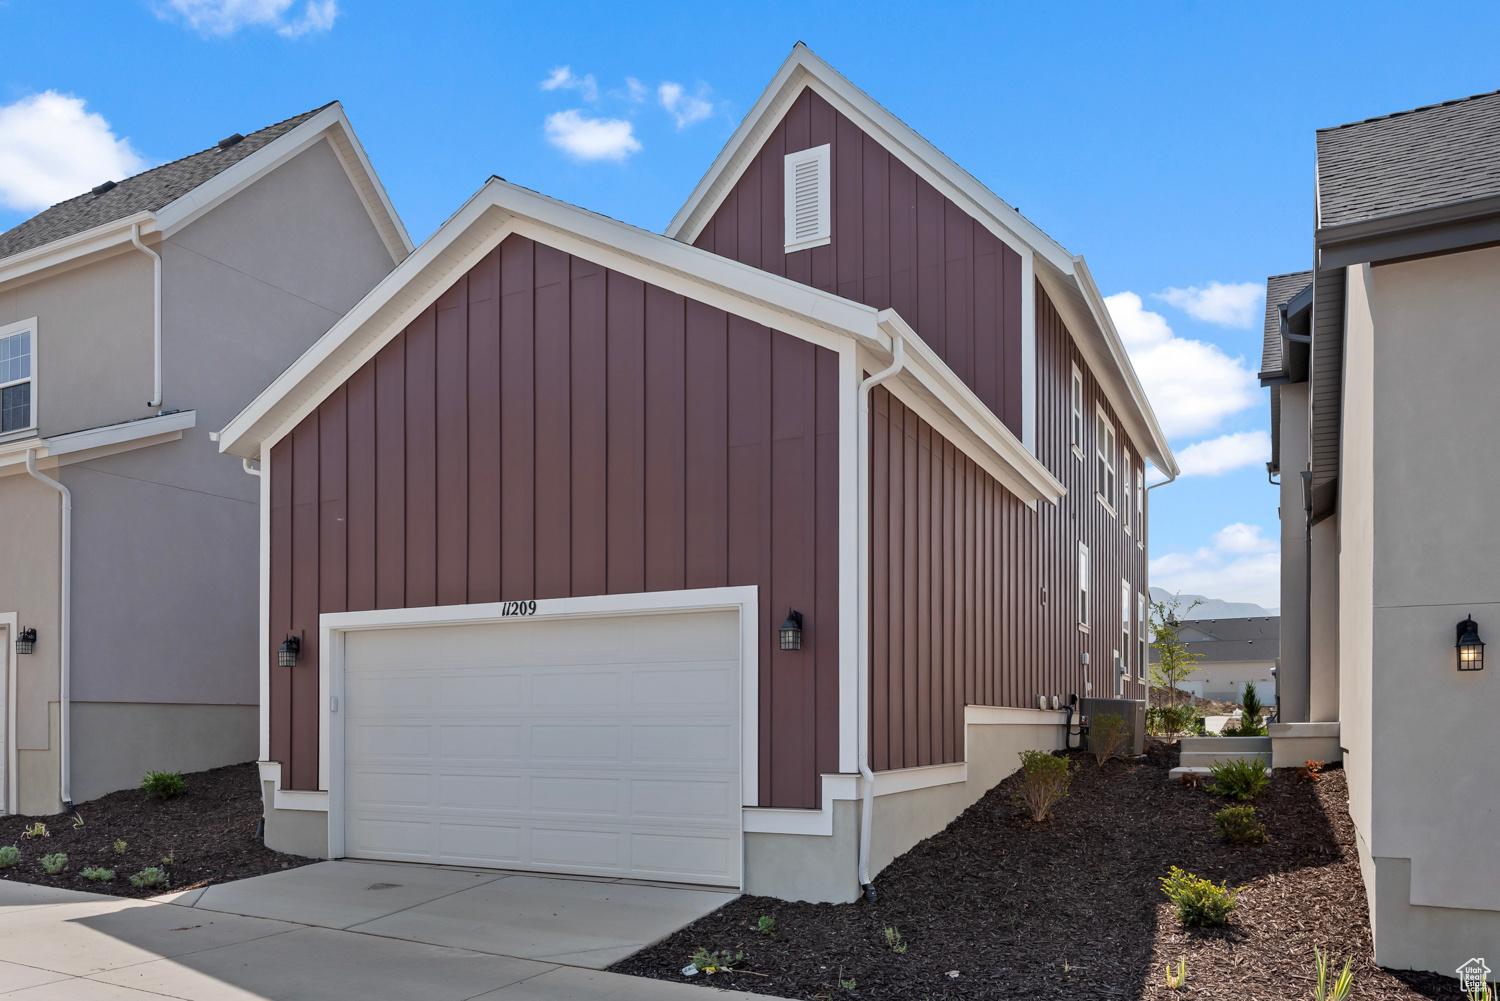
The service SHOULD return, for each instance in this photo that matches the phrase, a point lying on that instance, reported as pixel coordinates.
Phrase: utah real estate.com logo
(1473, 975)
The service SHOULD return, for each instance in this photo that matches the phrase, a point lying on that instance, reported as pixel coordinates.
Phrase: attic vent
(101, 189)
(229, 141)
(808, 219)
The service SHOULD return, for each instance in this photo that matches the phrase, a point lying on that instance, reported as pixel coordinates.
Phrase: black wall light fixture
(1470, 647)
(287, 655)
(791, 630)
(26, 641)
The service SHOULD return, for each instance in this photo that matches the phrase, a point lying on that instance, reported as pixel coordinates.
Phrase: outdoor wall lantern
(1470, 646)
(791, 630)
(287, 655)
(26, 641)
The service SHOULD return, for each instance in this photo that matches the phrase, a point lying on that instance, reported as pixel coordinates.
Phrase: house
(749, 554)
(1231, 653)
(1383, 364)
(134, 319)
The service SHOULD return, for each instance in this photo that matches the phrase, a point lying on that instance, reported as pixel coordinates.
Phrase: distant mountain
(1212, 608)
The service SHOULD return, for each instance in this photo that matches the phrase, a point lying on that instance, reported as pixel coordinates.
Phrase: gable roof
(173, 195)
(1065, 276)
(1279, 290)
(500, 209)
(1227, 641)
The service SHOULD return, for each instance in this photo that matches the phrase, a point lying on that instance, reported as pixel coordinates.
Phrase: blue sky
(1171, 144)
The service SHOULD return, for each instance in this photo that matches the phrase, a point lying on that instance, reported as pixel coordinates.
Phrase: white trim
(850, 544)
(1028, 352)
(314, 800)
(81, 446)
(10, 329)
(112, 237)
(263, 672)
(1126, 591)
(1083, 596)
(9, 626)
(821, 159)
(1076, 409)
(333, 627)
(1106, 451)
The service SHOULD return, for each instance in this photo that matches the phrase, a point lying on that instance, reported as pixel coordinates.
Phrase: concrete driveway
(347, 930)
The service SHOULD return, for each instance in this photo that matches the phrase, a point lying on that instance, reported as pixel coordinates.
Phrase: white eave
(500, 209)
(1054, 265)
(94, 443)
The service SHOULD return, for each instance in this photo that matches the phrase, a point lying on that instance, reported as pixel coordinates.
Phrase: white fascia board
(329, 124)
(110, 236)
(94, 443)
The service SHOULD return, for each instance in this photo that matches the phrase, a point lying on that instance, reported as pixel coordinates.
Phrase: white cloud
(52, 149)
(1225, 453)
(1227, 305)
(591, 138)
(635, 90)
(1192, 385)
(1239, 566)
(562, 78)
(225, 17)
(687, 109)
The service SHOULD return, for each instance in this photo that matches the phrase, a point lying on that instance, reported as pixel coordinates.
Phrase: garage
(605, 745)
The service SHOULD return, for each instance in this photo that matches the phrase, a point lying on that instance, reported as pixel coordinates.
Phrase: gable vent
(808, 218)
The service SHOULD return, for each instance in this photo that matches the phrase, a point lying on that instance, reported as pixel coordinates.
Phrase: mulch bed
(209, 832)
(1072, 907)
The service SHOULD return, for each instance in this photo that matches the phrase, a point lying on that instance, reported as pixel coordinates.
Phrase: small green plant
(1240, 778)
(168, 860)
(97, 874)
(77, 821)
(1199, 901)
(766, 924)
(713, 962)
(1179, 981)
(894, 940)
(148, 877)
(1236, 825)
(1165, 721)
(1339, 989)
(1480, 992)
(1250, 724)
(54, 863)
(1109, 736)
(9, 856)
(164, 785)
(847, 985)
(36, 830)
(120, 846)
(1044, 782)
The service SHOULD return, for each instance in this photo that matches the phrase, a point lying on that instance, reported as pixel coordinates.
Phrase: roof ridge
(1410, 111)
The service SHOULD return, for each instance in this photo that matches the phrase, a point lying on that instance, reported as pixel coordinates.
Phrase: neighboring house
(134, 319)
(1384, 364)
(1230, 653)
(592, 550)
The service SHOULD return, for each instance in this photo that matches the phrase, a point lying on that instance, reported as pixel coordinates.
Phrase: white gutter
(64, 628)
(135, 238)
(867, 814)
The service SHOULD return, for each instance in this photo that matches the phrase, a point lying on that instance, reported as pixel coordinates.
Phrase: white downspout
(135, 238)
(65, 617)
(867, 776)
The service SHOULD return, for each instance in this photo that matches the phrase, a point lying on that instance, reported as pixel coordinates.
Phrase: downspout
(65, 616)
(135, 238)
(867, 776)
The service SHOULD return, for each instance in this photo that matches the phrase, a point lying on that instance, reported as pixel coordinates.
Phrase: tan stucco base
(37, 777)
(1413, 937)
(1293, 744)
(116, 743)
(296, 832)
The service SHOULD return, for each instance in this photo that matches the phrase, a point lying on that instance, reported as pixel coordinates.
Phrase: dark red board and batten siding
(897, 243)
(548, 429)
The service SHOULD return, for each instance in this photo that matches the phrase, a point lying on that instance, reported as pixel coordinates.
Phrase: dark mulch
(209, 831)
(1072, 907)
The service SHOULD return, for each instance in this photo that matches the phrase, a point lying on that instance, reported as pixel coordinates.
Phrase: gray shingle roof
(1410, 160)
(1279, 288)
(147, 191)
(1234, 640)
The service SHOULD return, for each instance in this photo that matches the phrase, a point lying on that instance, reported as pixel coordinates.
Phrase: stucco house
(1230, 654)
(748, 554)
(134, 319)
(1383, 364)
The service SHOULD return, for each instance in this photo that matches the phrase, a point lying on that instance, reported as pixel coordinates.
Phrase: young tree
(1175, 663)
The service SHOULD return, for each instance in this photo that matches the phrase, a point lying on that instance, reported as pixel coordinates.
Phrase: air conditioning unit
(1132, 710)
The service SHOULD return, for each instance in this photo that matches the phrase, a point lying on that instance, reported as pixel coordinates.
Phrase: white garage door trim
(335, 626)
(8, 630)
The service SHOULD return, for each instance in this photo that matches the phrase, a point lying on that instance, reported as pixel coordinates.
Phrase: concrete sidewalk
(426, 941)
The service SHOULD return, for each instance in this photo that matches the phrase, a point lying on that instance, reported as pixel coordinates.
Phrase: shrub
(164, 785)
(766, 924)
(1311, 771)
(98, 874)
(1241, 778)
(1044, 782)
(713, 962)
(148, 877)
(36, 830)
(54, 863)
(9, 856)
(120, 846)
(1237, 826)
(1167, 720)
(1199, 901)
(1250, 724)
(894, 940)
(1108, 736)
(169, 859)
(1340, 986)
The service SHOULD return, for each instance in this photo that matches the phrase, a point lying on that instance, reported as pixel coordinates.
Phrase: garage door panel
(587, 743)
(669, 743)
(576, 688)
(482, 742)
(678, 800)
(395, 789)
(668, 854)
(392, 838)
(489, 843)
(709, 687)
(468, 691)
(482, 792)
(580, 796)
(582, 848)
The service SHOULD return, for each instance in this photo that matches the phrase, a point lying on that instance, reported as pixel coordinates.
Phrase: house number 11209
(518, 608)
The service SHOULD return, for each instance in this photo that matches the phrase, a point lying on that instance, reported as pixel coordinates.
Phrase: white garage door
(606, 745)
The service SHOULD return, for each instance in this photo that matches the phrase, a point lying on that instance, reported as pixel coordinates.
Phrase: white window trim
(1075, 412)
(1084, 600)
(1126, 484)
(1107, 458)
(30, 326)
(822, 156)
(1140, 504)
(1142, 651)
(1125, 592)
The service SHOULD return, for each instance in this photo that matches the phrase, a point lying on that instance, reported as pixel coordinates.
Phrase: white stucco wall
(1293, 674)
(1356, 544)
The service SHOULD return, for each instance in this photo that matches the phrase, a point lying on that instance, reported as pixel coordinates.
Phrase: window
(1125, 488)
(809, 219)
(1125, 592)
(1077, 405)
(17, 377)
(1142, 650)
(1083, 585)
(1140, 504)
(1105, 445)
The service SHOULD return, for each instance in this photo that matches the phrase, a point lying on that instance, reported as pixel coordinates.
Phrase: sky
(1169, 143)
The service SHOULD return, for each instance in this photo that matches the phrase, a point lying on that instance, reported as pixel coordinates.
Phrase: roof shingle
(1279, 289)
